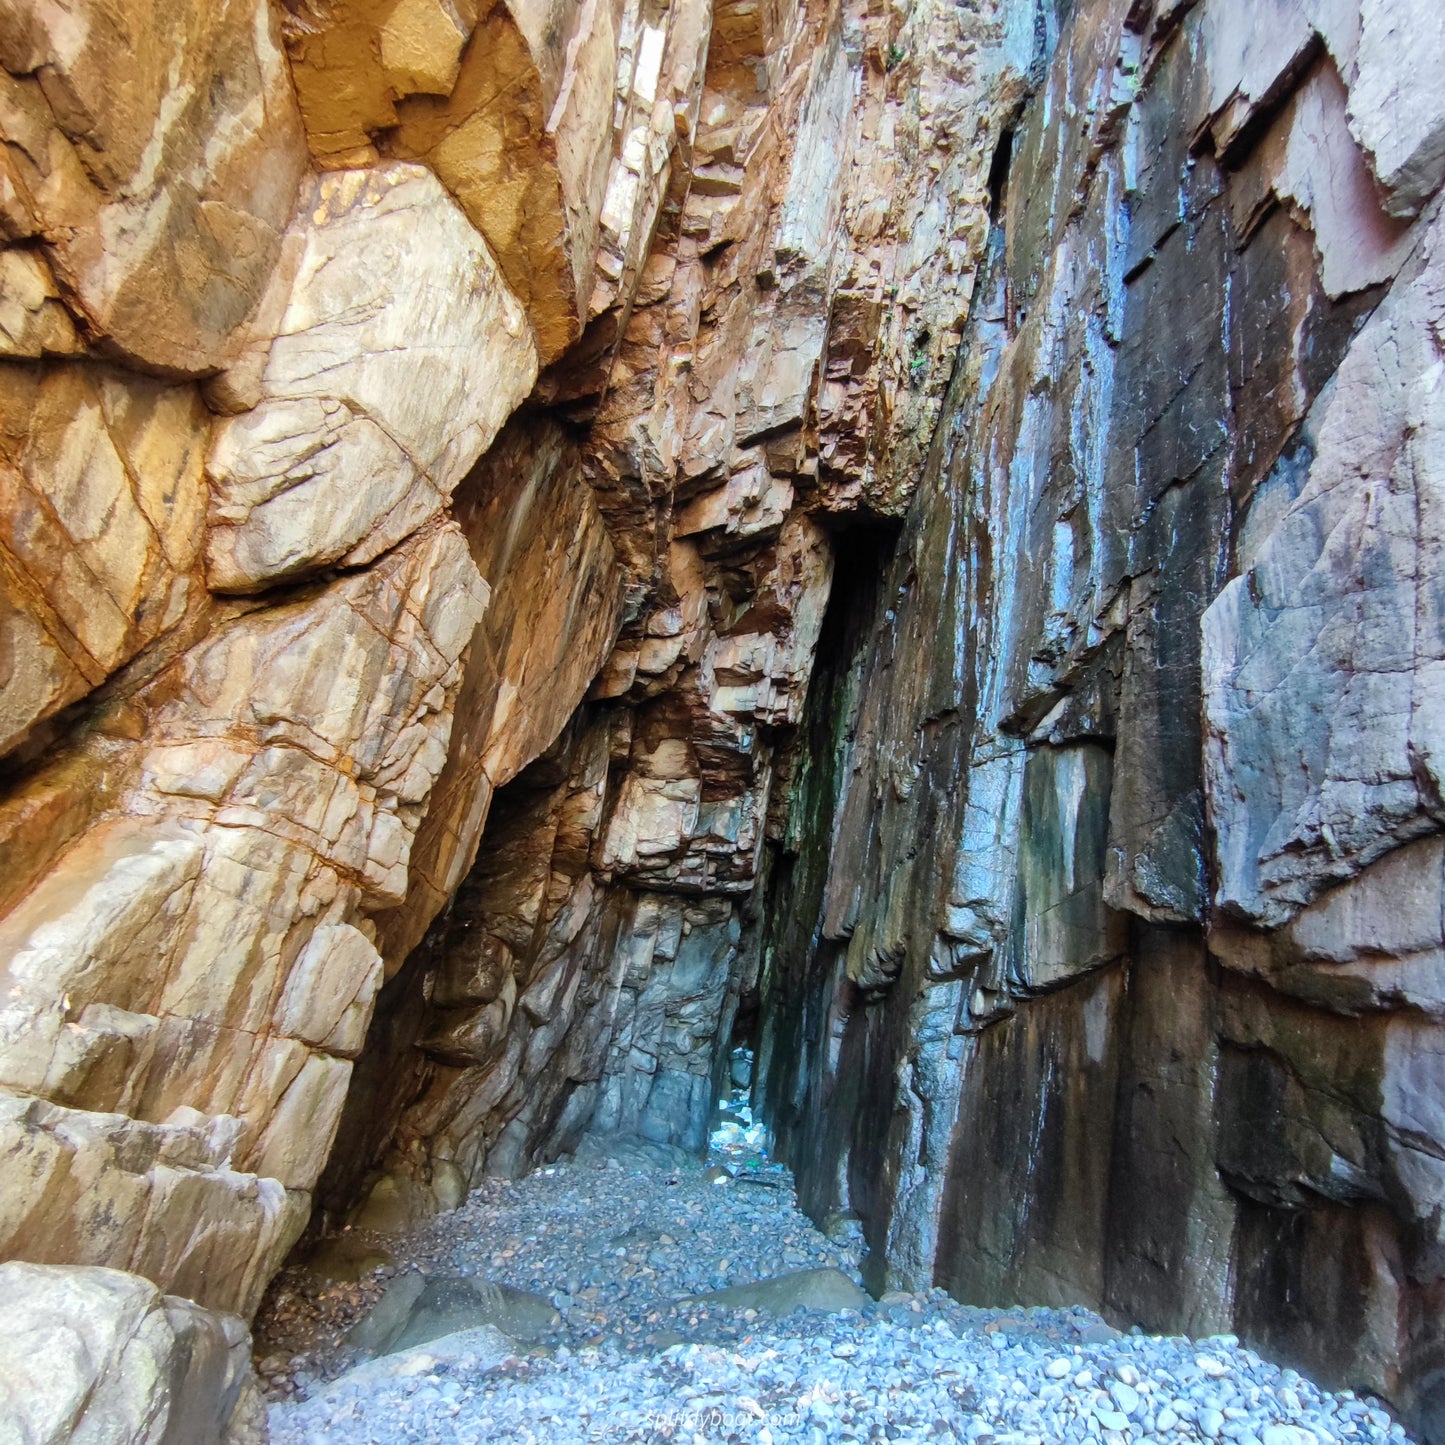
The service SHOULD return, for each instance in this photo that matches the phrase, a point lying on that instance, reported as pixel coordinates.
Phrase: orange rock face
(100, 528)
(158, 202)
(511, 107)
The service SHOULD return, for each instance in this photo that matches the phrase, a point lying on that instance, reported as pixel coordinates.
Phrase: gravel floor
(613, 1245)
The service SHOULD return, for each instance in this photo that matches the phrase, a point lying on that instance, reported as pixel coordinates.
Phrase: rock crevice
(541, 542)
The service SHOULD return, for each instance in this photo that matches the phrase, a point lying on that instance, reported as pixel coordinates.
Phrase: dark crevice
(998, 173)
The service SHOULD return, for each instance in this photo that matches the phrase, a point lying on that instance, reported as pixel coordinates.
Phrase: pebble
(636, 1356)
(1125, 1398)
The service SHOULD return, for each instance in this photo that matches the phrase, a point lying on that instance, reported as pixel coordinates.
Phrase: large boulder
(828, 1290)
(398, 356)
(100, 1357)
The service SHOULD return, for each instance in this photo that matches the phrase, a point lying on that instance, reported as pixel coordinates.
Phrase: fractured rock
(510, 104)
(159, 202)
(96, 1355)
(103, 505)
(1396, 110)
(400, 353)
(1324, 660)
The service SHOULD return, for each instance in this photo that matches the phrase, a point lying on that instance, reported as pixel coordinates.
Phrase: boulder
(99, 1357)
(828, 1290)
(471, 1352)
(416, 1310)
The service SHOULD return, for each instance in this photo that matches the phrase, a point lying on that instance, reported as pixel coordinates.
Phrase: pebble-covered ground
(614, 1243)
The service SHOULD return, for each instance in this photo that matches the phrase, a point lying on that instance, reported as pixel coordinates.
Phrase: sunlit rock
(160, 202)
(104, 503)
(509, 103)
(95, 1354)
(399, 355)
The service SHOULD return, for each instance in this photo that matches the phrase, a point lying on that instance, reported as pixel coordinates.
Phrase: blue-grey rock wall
(1102, 952)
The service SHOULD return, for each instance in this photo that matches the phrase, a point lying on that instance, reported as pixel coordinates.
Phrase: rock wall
(294, 583)
(271, 638)
(775, 376)
(535, 534)
(1113, 980)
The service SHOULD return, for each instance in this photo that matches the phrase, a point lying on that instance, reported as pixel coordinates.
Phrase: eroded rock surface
(398, 356)
(104, 505)
(159, 202)
(98, 1355)
(539, 535)
(1147, 1020)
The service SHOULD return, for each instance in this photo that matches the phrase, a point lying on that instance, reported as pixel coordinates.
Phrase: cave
(664, 660)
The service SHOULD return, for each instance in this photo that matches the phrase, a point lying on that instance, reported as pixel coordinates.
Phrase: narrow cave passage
(722, 706)
(551, 1000)
(614, 1165)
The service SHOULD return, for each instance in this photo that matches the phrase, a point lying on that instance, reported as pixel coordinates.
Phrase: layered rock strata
(246, 558)
(788, 342)
(537, 536)
(1098, 963)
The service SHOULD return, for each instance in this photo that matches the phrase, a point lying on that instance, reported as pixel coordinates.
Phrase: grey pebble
(622, 1247)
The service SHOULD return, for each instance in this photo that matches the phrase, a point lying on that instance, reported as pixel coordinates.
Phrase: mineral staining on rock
(1170, 570)
(537, 535)
(159, 202)
(183, 994)
(104, 506)
(1325, 660)
(510, 104)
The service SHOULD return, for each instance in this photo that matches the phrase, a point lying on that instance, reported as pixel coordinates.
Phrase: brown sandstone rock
(33, 318)
(157, 1199)
(200, 960)
(102, 515)
(160, 203)
(536, 535)
(510, 105)
(398, 356)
